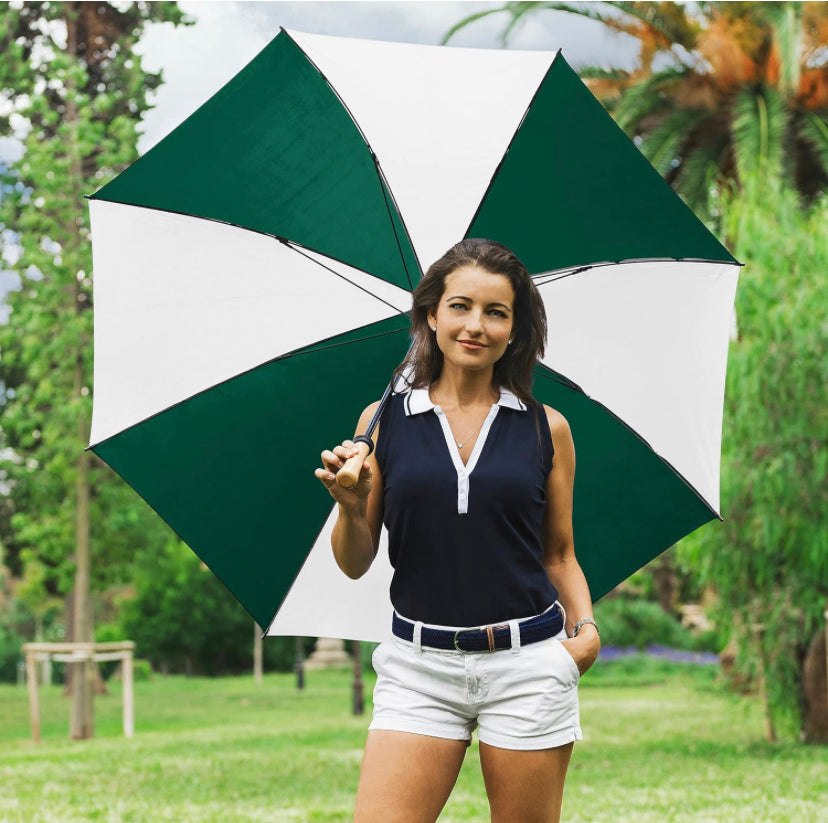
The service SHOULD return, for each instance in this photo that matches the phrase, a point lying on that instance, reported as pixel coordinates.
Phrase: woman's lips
(471, 345)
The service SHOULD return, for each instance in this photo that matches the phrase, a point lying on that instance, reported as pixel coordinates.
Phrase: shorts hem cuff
(526, 744)
(418, 728)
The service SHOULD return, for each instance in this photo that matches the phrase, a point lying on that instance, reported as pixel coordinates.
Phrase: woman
(473, 480)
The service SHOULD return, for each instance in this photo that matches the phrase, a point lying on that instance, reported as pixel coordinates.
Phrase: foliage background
(728, 100)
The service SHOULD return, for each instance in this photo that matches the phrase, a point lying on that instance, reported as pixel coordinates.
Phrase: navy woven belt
(486, 638)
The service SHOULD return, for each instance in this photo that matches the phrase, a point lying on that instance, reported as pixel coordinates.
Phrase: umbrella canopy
(253, 273)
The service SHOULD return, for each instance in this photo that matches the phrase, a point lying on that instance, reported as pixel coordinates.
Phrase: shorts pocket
(569, 661)
(380, 655)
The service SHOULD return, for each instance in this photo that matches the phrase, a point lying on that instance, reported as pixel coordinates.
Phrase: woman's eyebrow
(463, 297)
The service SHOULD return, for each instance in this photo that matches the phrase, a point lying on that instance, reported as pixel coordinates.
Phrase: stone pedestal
(328, 653)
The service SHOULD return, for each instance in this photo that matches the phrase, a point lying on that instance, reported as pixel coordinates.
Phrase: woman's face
(474, 317)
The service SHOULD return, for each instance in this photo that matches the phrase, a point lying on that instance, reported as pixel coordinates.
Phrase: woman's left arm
(559, 546)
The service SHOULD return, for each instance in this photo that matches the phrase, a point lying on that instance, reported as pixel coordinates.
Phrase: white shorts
(525, 698)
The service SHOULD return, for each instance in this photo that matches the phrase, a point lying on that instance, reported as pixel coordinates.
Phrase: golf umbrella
(252, 281)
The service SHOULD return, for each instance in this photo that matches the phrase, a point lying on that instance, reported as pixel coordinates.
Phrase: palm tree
(722, 93)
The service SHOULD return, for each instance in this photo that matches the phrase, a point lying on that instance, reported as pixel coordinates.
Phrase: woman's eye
(457, 306)
(497, 313)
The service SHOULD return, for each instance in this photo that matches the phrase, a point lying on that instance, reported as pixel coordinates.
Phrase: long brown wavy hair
(514, 370)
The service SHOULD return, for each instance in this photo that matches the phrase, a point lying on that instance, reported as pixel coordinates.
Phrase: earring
(509, 343)
(434, 328)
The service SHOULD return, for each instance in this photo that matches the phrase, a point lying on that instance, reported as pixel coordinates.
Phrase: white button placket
(464, 471)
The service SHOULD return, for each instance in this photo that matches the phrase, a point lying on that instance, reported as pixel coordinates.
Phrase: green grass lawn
(663, 743)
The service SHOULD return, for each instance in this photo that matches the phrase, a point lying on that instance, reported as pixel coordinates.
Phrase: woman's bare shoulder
(365, 418)
(368, 412)
(558, 424)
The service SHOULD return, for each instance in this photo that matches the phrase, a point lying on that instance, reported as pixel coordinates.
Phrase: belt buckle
(489, 636)
(457, 638)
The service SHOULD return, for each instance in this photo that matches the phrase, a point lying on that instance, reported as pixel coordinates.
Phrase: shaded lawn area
(664, 742)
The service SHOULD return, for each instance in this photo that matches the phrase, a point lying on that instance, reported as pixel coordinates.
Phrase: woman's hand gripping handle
(349, 475)
(346, 474)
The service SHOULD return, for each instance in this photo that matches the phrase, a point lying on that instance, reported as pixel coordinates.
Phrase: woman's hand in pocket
(584, 648)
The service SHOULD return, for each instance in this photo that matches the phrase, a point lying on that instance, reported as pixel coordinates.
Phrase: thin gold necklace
(460, 445)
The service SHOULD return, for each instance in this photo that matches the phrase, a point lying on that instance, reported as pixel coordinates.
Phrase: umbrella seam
(511, 142)
(292, 244)
(173, 530)
(386, 193)
(299, 573)
(539, 371)
(559, 274)
(383, 181)
(286, 356)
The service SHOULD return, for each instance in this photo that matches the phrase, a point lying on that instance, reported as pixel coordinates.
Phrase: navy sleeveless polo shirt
(465, 541)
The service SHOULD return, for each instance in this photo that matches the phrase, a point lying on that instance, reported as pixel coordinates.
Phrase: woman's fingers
(331, 460)
(334, 459)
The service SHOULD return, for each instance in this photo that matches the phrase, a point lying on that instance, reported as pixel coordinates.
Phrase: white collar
(417, 401)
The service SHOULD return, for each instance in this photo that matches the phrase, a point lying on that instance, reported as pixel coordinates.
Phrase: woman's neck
(463, 389)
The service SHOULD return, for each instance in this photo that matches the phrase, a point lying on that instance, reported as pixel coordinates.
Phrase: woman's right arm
(356, 534)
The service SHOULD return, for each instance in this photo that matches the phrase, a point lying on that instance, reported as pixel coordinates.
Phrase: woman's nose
(474, 323)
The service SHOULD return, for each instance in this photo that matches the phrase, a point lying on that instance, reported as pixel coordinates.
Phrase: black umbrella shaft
(374, 421)
(372, 425)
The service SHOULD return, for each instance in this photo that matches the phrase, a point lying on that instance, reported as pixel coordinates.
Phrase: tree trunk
(69, 671)
(762, 668)
(257, 653)
(299, 663)
(359, 700)
(81, 724)
(815, 690)
(665, 582)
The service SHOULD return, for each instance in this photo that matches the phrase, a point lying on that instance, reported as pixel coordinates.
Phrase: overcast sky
(198, 60)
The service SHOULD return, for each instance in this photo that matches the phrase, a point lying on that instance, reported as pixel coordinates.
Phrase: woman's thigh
(406, 778)
(525, 786)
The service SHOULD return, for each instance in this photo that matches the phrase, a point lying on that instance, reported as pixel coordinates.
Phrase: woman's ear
(432, 320)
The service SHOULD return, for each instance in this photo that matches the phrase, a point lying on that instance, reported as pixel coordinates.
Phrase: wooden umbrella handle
(348, 475)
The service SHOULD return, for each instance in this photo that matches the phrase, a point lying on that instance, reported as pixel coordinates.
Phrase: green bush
(633, 622)
(108, 633)
(10, 644)
(184, 620)
(141, 670)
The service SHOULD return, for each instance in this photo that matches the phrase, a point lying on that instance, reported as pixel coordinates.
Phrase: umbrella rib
(511, 143)
(170, 527)
(298, 250)
(318, 348)
(283, 240)
(295, 577)
(386, 193)
(548, 374)
(559, 274)
(305, 350)
(386, 189)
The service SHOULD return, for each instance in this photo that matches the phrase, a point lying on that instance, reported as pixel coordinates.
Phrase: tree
(76, 91)
(768, 561)
(722, 92)
(183, 619)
